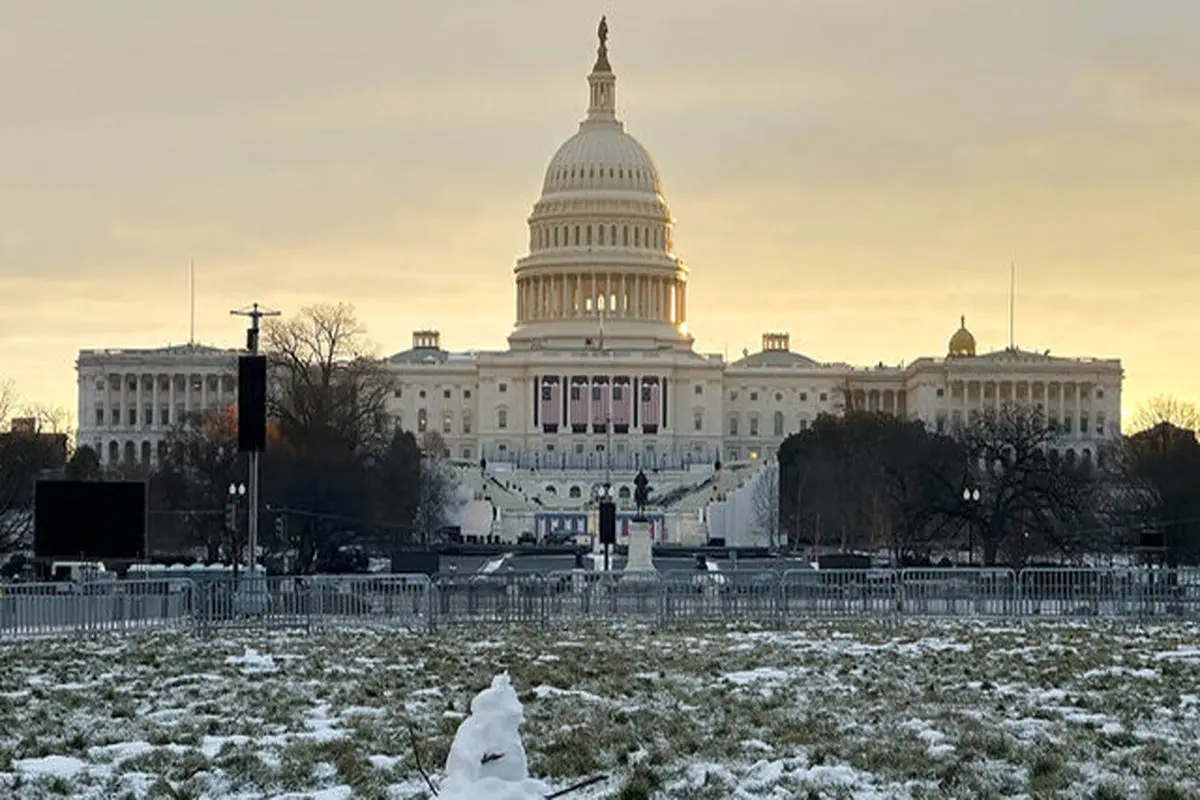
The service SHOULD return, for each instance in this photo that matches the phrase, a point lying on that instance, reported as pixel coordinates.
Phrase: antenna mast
(192, 302)
(1012, 300)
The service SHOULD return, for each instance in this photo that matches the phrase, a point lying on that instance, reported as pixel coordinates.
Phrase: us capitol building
(600, 373)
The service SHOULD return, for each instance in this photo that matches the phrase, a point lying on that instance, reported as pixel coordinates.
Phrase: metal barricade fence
(1122, 592)
(39, 609)
(727, 596)
(839, 593)
(489, 598)
(376, 601)
(958, 592)
(418, 603)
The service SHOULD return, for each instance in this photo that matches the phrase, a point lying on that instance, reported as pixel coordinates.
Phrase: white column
(203, 393)
(1078, 410)
(137, 398)
(682, 302)
(624, 303)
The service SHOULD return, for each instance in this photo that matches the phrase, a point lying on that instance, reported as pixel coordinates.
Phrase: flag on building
(551, 401)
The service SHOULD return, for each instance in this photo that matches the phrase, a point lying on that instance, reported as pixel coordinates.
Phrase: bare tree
(1171, 410)
(190, 489)
(22, 459)
(1029, 500)
(328, 391)
(9, 399)
(438, 496)
(48, 418)
(765, 502)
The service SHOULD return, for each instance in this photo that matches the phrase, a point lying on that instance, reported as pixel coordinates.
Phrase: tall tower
(601, 265)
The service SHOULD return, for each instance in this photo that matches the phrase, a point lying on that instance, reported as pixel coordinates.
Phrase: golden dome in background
(962, 343)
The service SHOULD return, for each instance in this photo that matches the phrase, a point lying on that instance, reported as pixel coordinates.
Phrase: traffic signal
(231, 516)
(280, 526)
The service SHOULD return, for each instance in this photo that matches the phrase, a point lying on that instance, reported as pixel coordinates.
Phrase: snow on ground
(827, 709)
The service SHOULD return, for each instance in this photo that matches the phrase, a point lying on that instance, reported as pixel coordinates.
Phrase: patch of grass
(570, 754)
(1162, 791)
(1108, 791)
(641, 784)
(1048, 774)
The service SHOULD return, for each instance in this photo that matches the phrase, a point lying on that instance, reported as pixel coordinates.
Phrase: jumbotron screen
(89, 520)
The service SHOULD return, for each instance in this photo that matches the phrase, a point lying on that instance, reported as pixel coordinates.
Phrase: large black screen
(90, 520)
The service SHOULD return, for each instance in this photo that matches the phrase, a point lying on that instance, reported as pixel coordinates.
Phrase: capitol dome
(601, 267)
(601, 158)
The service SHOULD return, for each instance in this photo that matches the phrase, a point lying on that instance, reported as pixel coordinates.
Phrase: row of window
(1064, 427)
(654, 238)
(447, 421)
(777, 423)
(132, 418)
(223, 382)
(733, 395)
(594, 171)
(446, 393)
(1083, 394)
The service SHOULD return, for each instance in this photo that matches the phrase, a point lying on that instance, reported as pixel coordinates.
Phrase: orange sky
(856, 173)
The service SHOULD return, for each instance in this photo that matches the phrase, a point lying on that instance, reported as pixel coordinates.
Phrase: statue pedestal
(640, 561)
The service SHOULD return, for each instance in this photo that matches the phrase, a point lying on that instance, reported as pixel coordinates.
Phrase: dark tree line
(1003, 487)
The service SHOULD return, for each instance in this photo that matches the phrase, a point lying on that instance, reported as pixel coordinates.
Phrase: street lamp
(971, 498)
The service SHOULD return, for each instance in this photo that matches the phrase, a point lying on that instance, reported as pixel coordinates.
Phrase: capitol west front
(601, 372)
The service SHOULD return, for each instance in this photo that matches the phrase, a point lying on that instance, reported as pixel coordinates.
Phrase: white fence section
(419, 603)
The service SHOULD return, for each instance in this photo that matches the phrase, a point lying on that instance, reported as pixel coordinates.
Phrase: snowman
(487, 759)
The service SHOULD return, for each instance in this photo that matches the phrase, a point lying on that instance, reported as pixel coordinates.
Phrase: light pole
(971, 498)
(236, 491)
(255, 314)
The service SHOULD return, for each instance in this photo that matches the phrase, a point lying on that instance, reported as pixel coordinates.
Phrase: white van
(77, 571)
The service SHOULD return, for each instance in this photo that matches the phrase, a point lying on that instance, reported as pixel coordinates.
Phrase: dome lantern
(962, 343)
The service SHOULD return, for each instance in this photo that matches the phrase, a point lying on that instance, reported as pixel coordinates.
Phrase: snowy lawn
(828, 709)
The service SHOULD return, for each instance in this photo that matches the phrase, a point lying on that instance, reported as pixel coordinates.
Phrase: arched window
(502, 418)
(589, 235)
(623, 493)
(612, 234)
(778, 423)
(114, 452)
(556, 237)
(145, 454)
(550, 490)
(625, 235)
(130, 453)
(754, 425)
(600, 234)
(698, 420)
(733, 425)
(637, 237)
(575, 491)
(577, 235)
